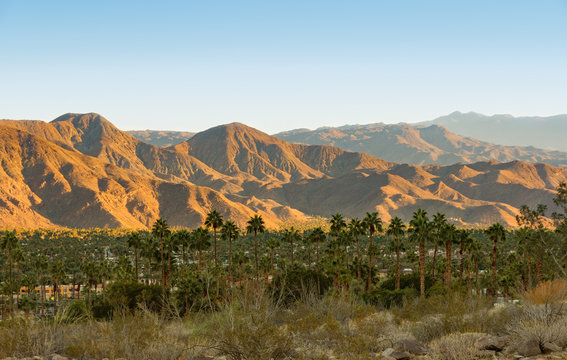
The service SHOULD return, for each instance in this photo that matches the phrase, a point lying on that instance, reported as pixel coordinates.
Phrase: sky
(279, 65)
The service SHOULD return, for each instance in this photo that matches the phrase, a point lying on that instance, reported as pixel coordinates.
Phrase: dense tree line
(189, 269)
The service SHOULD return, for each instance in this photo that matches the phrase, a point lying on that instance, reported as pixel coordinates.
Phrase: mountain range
(79, 170)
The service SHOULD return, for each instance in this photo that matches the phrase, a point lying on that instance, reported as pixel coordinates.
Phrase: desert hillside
(79, 170)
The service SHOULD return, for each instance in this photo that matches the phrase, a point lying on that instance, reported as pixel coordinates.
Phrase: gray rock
(496, 343)
(529, 348)
(388, 352)
(57, 357)
(412, 346)
(551, 347)
(401, 355)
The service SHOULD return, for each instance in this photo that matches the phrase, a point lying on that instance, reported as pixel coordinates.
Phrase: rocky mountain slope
(419, 145)
(81, 171)
(163, 138)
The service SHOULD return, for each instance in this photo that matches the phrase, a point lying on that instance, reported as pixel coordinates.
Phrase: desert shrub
(28, 337)
(291, 286)
(130, 295)
(537, 323)
(548, 292)
(247, 328)
(456, 346)
(406, 281)
(76, 310)
(388, 298)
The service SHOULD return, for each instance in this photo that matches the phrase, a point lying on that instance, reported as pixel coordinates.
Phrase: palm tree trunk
(215, 244)
(493, 277)
(229, 259)
(448, 268)
(199, 264)
(11, 283)
(272, 262)
(397, 265)
(136, 262)
(357, 259)
(291, 250)
(369, 278)
(256, 253)
(434, 261)
(422, 268)
(462, 265)
(476, 275)
(317, 267)
(309, 254)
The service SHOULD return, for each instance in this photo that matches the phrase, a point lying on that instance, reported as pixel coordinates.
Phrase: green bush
(293, 285)
(389, 298)
(130, 295)
(76, 310)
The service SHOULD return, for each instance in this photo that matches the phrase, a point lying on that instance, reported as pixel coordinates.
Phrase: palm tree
(495, 233)
(475, 253)
(240, 258)
(214, 221)
(58, 270)
(89, 269)
(317, 236)
(356, 228)
(9, 243)
(396, 231)
(272, 243)
(41, 265)
(372, 224)
(337, 224)
(183, 238)
(18, 257)
(420, 232)
(291, 236)
(255, 226)
(201, 241)
(437, 224)
(161, 230)
(464, 240)
(229, 231)
(448, 237)
(134, 242)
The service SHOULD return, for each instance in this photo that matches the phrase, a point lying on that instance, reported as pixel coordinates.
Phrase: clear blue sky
(275, 65)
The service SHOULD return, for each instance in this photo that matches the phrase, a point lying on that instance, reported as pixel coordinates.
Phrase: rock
(412, 346)
(551, 347)
(496, 343)
(529, 348)
(401, 355)
(57, 357)
(388, 352)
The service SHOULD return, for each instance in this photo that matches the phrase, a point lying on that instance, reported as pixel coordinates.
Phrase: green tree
(229, 232)
(161, 230)
(372, 224)
(273, 243)
(254, 226)
(9, 243)
(134, 242)
(356, 228)
(317, 237)
(396, 231)
(437, 225)
(201, 242)
(57, 270)
(495, 233)
(420, 232)
(214, 221)
(291, 236)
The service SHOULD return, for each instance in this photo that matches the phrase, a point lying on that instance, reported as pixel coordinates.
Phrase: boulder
(401, 355)
(495, 343)
(529, 348)
(551, 347)
(412, 346)
(388, 352)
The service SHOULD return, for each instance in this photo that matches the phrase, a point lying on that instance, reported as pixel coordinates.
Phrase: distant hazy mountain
(79, 170)
(541, 132)
(419, 145)
(163, 138)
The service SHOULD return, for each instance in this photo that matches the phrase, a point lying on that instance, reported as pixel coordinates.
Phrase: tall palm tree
(420, 232)
(475, 253)
(240, 258)
(317, 236)
(19, 258)
(291, 236)
(396, 231)
(338, 223)
(134, 242)
(229, 232)
(495, 233)
(464, 240)
(255, 226)
(161, 230)
(448, 237)
(438, 224)
(9, 243)
(89, 269)
(372, 224)
(214, 221)
(183, 238)
(58, 270)
(356, 228)
(41, 265)
(201, 241)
